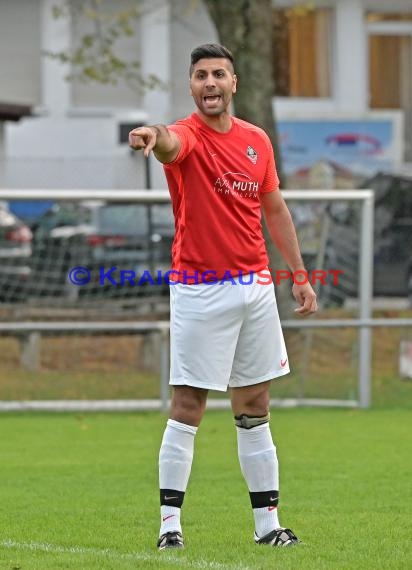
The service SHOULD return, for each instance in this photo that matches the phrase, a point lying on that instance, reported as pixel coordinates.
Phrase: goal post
(313, 214)
(366, 198)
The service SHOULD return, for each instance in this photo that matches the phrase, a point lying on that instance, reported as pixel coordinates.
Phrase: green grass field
(80, 492)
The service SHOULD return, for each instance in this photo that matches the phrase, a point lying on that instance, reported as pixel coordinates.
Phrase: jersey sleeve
(271, 179)
(188, 139)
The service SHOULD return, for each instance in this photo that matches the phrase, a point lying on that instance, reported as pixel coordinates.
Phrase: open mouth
(212, 98)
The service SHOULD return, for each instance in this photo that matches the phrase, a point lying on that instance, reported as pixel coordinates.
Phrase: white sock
(175, 463)
(169, 519)
(259, 464)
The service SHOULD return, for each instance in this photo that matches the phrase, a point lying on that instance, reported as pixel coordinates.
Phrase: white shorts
(225, 335)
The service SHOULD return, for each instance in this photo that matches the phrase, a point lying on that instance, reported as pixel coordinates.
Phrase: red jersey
(215, 184)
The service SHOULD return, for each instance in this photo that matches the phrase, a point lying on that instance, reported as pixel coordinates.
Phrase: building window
(390, 63)
(390, 66)
(372, 17)
(390, 60)
(302, 51)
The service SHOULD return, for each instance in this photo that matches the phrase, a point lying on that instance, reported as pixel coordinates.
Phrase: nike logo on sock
(170, 498)
(168, 517)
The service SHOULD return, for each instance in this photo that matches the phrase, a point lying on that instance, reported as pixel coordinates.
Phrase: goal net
(91, 259)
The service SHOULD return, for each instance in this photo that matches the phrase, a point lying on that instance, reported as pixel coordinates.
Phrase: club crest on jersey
(251, 154)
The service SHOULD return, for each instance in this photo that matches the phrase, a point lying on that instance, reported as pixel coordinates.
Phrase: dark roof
(12, 112)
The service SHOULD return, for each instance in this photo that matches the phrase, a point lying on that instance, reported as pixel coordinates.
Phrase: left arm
(282, 231)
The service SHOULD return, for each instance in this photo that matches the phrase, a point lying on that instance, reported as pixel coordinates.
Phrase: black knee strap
(249, 422)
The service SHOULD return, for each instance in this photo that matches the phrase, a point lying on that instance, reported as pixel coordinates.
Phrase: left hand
(306, 297)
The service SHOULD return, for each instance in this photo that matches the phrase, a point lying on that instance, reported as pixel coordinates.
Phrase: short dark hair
(209, 51)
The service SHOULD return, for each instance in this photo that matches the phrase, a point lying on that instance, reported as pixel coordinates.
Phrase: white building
(345, 60)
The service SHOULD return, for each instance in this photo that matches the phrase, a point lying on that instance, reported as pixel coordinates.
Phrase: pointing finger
(149, 147)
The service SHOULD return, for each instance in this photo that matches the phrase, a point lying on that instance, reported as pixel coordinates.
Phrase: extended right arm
(164, 143)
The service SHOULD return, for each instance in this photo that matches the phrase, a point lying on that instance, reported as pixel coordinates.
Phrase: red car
(15, 253)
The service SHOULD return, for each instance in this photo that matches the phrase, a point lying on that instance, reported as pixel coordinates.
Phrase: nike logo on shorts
(283, 363)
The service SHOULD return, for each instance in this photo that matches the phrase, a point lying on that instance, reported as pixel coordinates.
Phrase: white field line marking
(159, 558)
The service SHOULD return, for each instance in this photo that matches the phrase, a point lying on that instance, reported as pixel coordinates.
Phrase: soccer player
(225, 329)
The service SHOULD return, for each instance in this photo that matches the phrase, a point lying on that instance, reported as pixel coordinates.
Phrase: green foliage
(95, 57)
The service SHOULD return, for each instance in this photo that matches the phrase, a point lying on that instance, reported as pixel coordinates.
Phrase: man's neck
(221, 123)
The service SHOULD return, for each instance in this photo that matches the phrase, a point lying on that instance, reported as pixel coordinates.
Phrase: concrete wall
(190, 27)
(20, 40)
